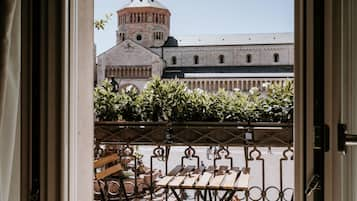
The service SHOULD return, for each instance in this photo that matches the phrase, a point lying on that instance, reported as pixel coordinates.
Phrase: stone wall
(129, 54)
(235, 55)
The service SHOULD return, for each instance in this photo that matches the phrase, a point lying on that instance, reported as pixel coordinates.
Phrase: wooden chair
(109, 167)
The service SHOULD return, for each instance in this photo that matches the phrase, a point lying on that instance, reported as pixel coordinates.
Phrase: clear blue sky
(191, 17)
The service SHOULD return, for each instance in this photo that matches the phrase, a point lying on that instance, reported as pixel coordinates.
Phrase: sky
(194, 17)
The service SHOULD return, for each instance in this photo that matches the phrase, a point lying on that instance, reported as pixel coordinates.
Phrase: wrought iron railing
(265, 148)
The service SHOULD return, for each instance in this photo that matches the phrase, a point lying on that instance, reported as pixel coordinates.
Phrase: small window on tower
(196, 59)
(139, 37)
(276, 57)
(221, 59)
(173, 60)
(249, 58)
(122, 36)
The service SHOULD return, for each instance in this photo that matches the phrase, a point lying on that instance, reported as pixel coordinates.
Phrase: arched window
(196, 59)
(173, 60)
(276, 57)
(249, 58)
(221, 59)
(139, 37)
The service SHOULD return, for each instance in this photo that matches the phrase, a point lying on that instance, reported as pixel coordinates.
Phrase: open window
(60, 105)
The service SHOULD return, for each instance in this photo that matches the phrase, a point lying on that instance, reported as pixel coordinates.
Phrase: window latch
(322, 138)
(314, 184)
(345, 139)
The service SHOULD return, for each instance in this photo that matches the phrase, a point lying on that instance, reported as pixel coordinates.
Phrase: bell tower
(146, 22)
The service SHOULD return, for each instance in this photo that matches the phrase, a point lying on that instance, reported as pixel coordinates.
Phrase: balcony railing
(229, 84)
(265, 148)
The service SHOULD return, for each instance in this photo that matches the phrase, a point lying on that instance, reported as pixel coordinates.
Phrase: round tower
(146, 22)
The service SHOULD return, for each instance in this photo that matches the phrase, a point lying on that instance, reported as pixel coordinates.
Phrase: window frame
(76, 157)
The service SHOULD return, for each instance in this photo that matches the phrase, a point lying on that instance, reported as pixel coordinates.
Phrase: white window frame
(80, 135)
(77, 138)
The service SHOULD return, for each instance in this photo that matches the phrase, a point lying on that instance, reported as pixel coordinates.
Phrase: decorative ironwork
(222, 153)
(220, 137)
(160, 154)
(190, 153)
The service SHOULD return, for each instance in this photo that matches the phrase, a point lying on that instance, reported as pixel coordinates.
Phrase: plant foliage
(99, 24)
(173, 101)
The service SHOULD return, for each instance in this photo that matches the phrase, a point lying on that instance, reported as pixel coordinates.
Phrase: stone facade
(129, 62)
(235, 55)
(145, 50)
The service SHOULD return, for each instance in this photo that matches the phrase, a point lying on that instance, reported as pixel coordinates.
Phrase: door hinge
(314, 184)
(322, 138)
(345, 139)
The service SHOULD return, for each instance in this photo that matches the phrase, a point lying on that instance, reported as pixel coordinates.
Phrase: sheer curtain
(10, 65)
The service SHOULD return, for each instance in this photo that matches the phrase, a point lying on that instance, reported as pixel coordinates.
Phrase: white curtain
(10, 65)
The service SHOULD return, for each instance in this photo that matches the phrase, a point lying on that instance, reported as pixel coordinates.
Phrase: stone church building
(145, 49)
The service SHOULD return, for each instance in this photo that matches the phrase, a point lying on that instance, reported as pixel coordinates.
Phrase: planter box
(195, 133)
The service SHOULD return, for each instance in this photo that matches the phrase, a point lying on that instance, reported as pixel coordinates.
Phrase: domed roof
(145, 3)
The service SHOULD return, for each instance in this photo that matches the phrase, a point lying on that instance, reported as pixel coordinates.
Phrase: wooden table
(210, 179)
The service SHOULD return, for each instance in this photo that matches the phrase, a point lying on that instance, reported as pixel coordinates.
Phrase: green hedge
(172, 101)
